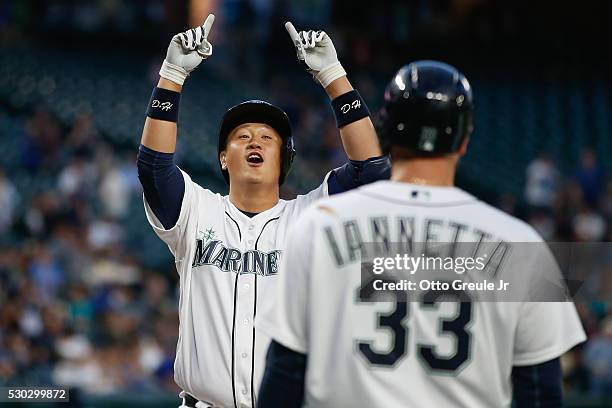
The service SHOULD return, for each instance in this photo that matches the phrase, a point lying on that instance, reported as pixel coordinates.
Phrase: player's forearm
(160, 135)
(359, 138)
(185, 53)
(316, 50)
(169, 85)
(338, 87)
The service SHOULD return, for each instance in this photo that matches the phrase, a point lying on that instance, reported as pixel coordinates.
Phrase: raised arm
(358, 138)
(316, 51)
(366, 163)
(161, 179)
(157, 134)
(185, 52)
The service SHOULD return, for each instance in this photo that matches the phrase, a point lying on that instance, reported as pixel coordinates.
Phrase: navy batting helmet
(428, 109)
(256, 111)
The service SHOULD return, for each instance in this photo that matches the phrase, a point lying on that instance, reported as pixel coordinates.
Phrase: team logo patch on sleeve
(208, 234)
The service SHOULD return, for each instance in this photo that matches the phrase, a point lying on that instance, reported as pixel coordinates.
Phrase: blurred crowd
(576, 207)
(76, 307)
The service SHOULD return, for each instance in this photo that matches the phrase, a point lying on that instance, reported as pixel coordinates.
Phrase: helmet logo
(427, 139)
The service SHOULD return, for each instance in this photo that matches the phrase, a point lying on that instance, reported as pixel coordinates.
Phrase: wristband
(164, 105)
(349, 108)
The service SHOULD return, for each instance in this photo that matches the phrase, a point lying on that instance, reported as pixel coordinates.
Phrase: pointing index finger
(208, 24)
(292, 32)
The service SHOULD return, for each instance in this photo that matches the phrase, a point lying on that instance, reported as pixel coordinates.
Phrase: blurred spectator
(107, 271)
(542, 182)
(607, 201)
(46, 273)
(80, 307)
(155, 300)
(8, 202)
(150, 355)
(77, 178)
(41, 141)
(82, 137)
(543, 223)
(589, 225)
(114, 191)
(104, 234)
(575, 372)
(598, 358)
(30, 322)
(76, 367)
(591, 177)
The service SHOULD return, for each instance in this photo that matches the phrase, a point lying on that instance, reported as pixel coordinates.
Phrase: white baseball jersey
(228, 265)
(412, 354)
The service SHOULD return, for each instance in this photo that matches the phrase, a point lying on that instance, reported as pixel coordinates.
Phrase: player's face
(253, 154)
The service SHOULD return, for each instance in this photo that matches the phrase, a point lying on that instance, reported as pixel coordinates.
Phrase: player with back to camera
(334, 346)
(227, 249)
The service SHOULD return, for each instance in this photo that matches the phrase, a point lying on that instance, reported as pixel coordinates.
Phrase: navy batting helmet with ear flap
(428, 109)
(256, 111)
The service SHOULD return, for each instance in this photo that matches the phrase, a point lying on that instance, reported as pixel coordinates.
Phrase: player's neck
(432, 171)
(254, 198)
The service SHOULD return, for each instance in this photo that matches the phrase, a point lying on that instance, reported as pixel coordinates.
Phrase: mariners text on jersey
(213, 252)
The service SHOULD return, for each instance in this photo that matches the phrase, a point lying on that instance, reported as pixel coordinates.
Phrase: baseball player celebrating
(228, 248)
(333, 346)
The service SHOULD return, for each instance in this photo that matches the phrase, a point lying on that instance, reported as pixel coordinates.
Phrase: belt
(192, 402)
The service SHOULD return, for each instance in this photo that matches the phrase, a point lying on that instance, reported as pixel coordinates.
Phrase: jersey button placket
(244, 344)
(244, 325)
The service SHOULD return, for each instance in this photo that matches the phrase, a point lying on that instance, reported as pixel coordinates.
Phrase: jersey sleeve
(287, 321)
(545, 329)
(175, 236)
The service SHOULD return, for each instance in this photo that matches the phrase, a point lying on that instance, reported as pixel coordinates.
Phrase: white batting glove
(316, 50)
(186, 51)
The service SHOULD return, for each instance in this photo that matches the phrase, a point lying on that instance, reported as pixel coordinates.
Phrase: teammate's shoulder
(339, 200)
(516, 229)
(355, 193)
(331, 208)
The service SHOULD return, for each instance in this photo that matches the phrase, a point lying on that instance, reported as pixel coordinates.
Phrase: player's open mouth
(255, 159)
